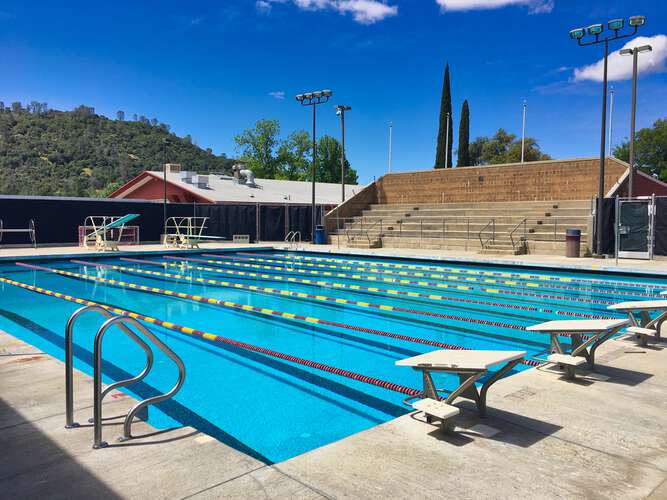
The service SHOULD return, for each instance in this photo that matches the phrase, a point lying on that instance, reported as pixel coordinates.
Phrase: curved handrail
(493, 234)
(514, 230)
(97, 378)
(69, 365)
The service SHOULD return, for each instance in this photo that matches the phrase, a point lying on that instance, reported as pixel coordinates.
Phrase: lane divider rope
(223, 340)
(356, 288)
(449, 277)
(360, 277)
(541, 277)
(259, 310)
(289, 293)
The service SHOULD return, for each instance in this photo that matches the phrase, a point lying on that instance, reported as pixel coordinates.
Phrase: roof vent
(201, 181)
(187, 175)
(247, 178)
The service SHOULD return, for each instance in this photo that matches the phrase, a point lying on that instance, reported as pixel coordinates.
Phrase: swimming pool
(298, 349)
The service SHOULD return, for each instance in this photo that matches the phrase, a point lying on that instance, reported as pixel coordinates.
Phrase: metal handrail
(291, 239)
(514, 230)
(98, 394)
(69, 365)
(97, 378)
(492, 223)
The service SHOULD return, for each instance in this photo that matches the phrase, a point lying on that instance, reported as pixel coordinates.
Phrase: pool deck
(600, 436)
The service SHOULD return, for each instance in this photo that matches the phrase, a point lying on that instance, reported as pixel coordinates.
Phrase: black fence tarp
(57, 219)
(609, 220)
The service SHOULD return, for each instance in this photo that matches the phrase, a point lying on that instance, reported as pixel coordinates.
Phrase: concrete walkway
(603, 436)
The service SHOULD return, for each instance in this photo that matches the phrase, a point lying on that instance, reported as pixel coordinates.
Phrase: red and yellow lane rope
(366, 277)
(223, 340)
(449, 277)
(258, 310)
(541, 277)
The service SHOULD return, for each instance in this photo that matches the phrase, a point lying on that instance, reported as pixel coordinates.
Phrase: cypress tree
(445, 109)
(463, 159)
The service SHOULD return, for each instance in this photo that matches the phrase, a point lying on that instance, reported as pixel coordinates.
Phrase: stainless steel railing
(123, 323)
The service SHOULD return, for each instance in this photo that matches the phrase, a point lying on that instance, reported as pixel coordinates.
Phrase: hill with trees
(81, 153)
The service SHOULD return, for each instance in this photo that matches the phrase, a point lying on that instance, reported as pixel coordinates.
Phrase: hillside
(80, 153)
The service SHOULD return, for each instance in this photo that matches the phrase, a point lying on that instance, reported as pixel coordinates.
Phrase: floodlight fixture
(616, 24)
(595, 29)
(577, 33)
(636, 21)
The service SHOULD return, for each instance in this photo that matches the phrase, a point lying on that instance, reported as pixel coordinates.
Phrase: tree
(329, 153)
(650, 150)
(294, 156)
(258, 147)
(504, 147)
(120, 116)
(444, 142)
(463, 153)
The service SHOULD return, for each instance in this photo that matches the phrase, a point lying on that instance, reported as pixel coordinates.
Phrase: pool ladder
(124, 323)
(293, 239)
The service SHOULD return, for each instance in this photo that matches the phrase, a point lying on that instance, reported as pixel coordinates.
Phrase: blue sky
(211, 69)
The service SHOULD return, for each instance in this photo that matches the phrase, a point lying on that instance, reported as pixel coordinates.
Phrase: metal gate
(634, 228)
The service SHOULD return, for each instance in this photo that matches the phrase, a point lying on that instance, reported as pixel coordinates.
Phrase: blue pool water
(273, 408)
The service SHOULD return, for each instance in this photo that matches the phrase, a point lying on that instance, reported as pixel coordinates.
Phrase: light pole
(164, 181)
(391, 128)
(611, 120)
(313, 99)
(634, 52)
(523, 129)
(340, 111)
(595, 30)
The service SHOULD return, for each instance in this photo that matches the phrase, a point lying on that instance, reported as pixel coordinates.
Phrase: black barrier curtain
(272, 223)
(228, 220)
(300, 220)
(660, 239)
(58, 220)
(608, 242)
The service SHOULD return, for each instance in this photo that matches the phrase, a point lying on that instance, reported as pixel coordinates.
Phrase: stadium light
(314, 99)
(595, 30)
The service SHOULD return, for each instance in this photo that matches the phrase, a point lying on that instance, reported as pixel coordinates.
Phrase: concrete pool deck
(602, 436)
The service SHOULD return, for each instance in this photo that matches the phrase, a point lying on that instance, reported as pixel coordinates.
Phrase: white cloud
(362, 11)
(620, 67)
(535, 6)
(278, 94)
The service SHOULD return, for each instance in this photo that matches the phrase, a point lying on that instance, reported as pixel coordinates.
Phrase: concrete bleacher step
(462, 225)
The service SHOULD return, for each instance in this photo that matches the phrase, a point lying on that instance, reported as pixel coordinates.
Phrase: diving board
(107, 231)
(186, 232)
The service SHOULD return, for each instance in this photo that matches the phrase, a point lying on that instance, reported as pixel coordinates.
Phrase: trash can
(572, 242)
(320, 236)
